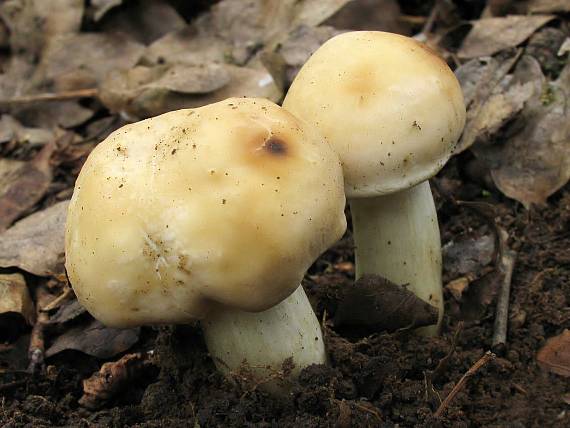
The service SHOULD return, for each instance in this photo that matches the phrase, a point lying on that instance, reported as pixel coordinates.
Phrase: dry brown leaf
(112, 378)
(33, 23)
(95, 339)
(555, 355)
(68, 311)
(480, 80)
(187, 46)
(77, 61)
(15, 298)
(548, 6)
(491, 35)
(12, 130)
(144, 21)
(36, 243)
(64, 114)
(298, 47)
(147, 91)
(25, 186)
(533, 160)
(101, 7)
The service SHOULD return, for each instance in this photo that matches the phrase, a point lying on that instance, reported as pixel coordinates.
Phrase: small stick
(59, 96)
(459, 386)
(67, 291)
(36, 348)
(502, 313)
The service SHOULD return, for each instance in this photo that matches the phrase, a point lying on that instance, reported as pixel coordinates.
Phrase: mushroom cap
(391, 107)
(224, 204)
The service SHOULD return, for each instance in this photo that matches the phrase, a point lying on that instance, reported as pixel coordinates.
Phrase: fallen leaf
(67, 312)
(294, 51)
(64, 114)
(533, 161)
(548, 6)
(78, 61)
(15, 298)
(36, 243)
(12, 130)
(480, 81)
(468, 255)
(33, 23)
(25, 186)
(144, 21)
(491, 35)
(375, 304)
(101, 7)
(555, 354)
(112, 378)
(95, 339)
(143, 92)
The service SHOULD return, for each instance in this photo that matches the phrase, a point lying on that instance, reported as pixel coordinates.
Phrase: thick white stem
(266, 339)
(397, 236)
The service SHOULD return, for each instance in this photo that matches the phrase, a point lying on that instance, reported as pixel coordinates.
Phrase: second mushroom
(394, 111)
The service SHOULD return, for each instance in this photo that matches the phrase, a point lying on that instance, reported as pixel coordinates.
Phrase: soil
(378, 380)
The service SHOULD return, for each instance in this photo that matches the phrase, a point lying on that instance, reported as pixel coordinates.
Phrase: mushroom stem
(397, 236)
(264, 340)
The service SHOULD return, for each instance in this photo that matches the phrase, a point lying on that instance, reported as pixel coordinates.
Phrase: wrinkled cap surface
(390, 107)
(228, 203)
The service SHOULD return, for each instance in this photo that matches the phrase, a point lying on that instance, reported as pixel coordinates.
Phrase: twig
(59, 96)
(67, 291)
(459, 386)
(37, 345)
(502, 313)
(7, 386)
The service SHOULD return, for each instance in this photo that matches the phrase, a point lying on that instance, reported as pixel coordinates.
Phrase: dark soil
(376, 380)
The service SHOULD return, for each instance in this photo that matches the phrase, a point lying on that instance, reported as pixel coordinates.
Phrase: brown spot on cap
(275, 146)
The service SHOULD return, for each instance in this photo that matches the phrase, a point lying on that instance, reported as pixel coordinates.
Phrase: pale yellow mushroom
(209, 214)
(393, 110)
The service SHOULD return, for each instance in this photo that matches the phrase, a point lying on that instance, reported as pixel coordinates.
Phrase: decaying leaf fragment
(376, 304)
(96, 340)
(15, 298)
(532, 160)
(555, 355)
(112, 378)
(148, 91)
(36, 243)
(24, 187)
(491, 35)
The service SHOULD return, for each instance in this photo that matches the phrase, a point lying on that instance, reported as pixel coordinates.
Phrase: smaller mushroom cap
(227, 204)
(391, 107)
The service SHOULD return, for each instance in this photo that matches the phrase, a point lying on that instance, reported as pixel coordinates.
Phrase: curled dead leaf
(491, 35)
(25, 186)
(36, 243)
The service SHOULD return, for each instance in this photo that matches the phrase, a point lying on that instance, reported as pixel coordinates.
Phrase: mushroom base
(260, 343)
(397, 236)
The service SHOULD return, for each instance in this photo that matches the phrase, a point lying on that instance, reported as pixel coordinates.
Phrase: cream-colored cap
(228, 203)
(391, 108)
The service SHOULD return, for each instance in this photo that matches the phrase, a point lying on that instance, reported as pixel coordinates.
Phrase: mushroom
(393, 110)
(210, 214)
